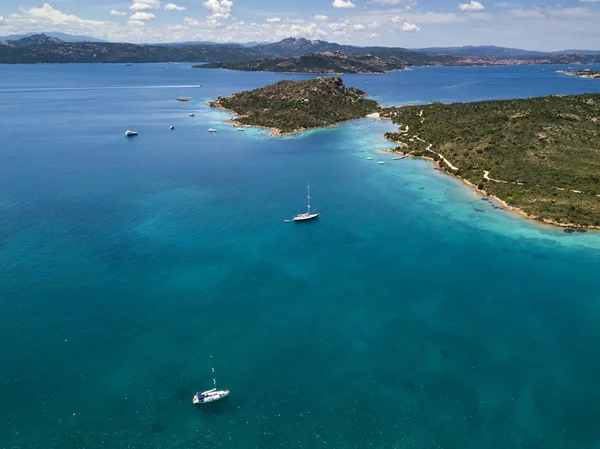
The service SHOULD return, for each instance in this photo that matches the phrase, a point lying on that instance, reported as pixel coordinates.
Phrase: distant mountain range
(62, 36)
(327, 62)
(491, 51)
(42, 48)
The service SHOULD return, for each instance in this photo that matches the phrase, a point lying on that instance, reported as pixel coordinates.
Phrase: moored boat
(130, 133)
(213, 394)
(308, 215)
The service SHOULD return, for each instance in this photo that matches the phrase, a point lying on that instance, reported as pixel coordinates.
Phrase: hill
(327, 62)
(62, 36)
(482, 51)
(540, 155)
(288, 107)
(40, 48)
(297, 47)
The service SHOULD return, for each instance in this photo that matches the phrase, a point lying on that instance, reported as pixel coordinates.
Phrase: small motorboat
(130, 133)
(369, 158)
(212, 395)
(192, 115)
(381, 162)
(239, 128)
(171, 127)
(212, 130)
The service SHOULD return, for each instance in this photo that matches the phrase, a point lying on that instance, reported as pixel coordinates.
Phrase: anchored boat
(210, 395)
(130, 133)
(308, 215)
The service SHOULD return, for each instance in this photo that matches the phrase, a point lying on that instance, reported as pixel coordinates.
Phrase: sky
(529, 24)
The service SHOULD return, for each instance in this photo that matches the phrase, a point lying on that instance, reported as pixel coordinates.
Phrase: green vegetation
(291, 106)
(540, 151)
(40, 48)
(327, 62)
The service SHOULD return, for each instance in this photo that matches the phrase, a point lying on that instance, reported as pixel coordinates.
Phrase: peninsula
(540, 156)
(288, 107)
(328, 62)
(585, 73)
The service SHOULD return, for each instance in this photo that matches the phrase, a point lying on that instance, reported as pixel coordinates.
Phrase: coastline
(504, 204)
(275, 132)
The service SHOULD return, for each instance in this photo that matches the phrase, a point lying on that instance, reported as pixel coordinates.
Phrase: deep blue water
(402, 318)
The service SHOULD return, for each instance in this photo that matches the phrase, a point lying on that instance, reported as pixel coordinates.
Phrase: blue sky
(531, 24)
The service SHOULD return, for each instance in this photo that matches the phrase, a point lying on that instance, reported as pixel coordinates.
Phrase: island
(539, 156)
(585, 73)
(288, 107)
(329, 62)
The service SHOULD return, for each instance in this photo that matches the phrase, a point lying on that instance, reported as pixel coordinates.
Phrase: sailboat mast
(212, 367)
(308, 196)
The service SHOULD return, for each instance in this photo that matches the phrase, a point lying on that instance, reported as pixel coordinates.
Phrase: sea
(411, 314)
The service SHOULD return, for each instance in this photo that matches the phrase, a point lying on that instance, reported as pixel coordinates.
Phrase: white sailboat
(212, 395)
(308, 215)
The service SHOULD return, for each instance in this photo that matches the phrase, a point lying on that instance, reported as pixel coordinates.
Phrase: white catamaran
(308, 215)
(211, 395)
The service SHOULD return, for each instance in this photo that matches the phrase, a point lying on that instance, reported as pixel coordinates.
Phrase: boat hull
(209, 396)
(306, 217)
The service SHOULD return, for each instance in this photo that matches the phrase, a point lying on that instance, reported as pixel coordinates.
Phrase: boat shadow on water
(216, 409)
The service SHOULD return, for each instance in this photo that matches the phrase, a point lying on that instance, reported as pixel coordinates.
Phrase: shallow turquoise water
(402, 318)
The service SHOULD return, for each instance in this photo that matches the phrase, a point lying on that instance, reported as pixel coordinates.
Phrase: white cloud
(325, 18)
(114, 12)
(221, 9)
(177, 27)
(359, 27)
(410, 27)
(145, 5)
(471, 6)
(47, 12)
(142, 16)
(273, 20)
(440, 17)
(343, 4)
(191, 21)
(571, 12)
(373, 25)
(174, 7)
(530, 13)
(406, 26)
(136, 23)
(372, 35)
(213, 23)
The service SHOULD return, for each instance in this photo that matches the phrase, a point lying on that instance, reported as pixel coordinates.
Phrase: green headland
(288, 107)
(325, 62)
(539, 155)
